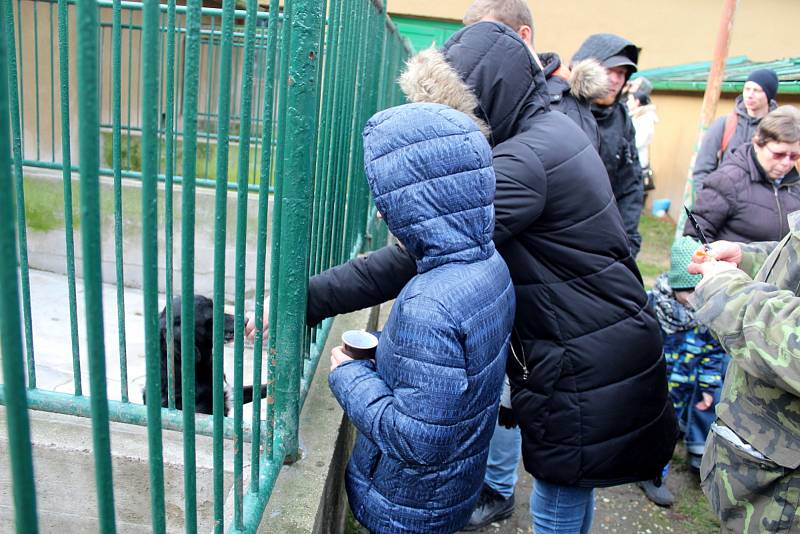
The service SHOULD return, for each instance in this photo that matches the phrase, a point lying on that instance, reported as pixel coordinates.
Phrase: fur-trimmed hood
(480, 56)
(586, 80)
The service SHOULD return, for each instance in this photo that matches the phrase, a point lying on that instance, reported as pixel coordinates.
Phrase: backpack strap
(730, 128)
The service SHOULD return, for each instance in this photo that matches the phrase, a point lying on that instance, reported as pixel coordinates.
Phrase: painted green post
(261, 247)
(22, 235)
(19, 434)
(89, 136)
(169, 169)
(191, 72)
(240, 258)
(220, 228)
(66, 175)
(293, 263)
(116, 106)
(150, 164)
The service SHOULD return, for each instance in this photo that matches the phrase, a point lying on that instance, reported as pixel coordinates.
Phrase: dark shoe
(657, 492)
(491, 507)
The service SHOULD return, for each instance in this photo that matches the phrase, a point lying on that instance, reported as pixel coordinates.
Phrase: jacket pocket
(748, 493)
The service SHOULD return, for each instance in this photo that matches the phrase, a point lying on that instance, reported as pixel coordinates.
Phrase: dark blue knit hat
(767, 79)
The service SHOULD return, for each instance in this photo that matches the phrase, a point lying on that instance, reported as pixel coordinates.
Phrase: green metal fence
(280, 94)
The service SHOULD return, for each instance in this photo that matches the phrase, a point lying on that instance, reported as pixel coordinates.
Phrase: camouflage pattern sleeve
(756, 323)
(754, 254)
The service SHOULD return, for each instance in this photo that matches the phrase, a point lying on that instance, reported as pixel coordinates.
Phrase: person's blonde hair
(781, 125)
(512, 13)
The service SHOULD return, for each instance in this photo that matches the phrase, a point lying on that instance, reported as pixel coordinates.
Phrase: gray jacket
(708, 157)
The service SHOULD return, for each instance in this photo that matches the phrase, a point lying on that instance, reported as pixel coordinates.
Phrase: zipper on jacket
(780, 211)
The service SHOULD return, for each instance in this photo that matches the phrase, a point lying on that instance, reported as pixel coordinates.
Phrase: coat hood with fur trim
(480, 56)
(586, 80)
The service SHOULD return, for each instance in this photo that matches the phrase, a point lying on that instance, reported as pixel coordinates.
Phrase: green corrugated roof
(693, 76)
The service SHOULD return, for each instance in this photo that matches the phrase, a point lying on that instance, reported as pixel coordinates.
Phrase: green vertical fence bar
(116, 106)
(66, 158)
(150, 164)
(220, 227)
(19, 434)
(274, 447)
(169, 169)
(22, 236)
(261, 246)
(89, 130)
(191, 65)
(248, 58)
(301, 127)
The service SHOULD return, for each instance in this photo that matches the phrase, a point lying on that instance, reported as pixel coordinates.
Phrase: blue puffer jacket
(427, 409)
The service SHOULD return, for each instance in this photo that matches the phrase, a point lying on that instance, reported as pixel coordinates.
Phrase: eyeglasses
(780, 156)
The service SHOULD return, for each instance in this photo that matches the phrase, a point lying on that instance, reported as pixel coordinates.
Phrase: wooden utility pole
(710, 99)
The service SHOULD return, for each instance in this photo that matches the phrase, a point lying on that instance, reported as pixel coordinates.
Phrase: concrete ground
(52, 342)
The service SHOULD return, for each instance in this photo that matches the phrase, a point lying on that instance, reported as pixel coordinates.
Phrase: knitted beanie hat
(768, 81)
(680, 257)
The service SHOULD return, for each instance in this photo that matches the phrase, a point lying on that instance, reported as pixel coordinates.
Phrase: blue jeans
(505, 450)
(561, 509)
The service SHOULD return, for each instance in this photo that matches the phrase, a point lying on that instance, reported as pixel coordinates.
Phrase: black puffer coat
(590, 395)
(618, 138)
(737, 202)
(564, 99)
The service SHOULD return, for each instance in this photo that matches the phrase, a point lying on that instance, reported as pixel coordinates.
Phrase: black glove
(506, 417)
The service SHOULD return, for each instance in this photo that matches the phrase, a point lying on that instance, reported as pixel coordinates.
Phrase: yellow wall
(670, 32)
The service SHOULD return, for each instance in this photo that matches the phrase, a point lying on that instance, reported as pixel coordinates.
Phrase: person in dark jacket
(617, 136)
(588, 382)
(749, 197)
(571, 90)
(425, 408)
(757, 99)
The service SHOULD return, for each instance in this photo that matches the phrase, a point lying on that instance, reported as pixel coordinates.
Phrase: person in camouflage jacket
(750, 466)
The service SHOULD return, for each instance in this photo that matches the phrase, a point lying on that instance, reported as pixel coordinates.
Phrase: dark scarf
(672, 315)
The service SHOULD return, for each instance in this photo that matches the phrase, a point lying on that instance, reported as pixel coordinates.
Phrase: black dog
(203, 353)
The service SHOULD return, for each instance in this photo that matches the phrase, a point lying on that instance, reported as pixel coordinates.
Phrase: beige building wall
(670, 32)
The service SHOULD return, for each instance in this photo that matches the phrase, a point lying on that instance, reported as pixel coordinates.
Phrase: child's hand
(705, 404)
(338, 357)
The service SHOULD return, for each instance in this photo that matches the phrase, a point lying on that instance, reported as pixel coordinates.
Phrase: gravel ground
(625, 509)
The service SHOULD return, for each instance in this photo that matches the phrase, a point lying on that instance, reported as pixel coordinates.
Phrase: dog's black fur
(203, 352)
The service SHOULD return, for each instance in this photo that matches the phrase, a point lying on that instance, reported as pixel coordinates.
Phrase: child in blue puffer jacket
(696, 363)
(426, 407)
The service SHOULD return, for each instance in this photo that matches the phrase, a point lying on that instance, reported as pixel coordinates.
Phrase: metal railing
(301, 82)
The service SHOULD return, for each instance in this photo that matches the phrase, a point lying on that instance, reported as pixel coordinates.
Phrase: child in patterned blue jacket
(426, 407)
(696, 363)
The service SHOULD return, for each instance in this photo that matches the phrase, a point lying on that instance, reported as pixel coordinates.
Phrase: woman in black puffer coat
(588, 381)
(749, 196)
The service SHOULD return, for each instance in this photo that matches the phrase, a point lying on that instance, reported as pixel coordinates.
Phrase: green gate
(278, 94)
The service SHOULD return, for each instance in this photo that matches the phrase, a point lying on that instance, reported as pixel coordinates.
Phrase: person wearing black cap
(730, 132)
(617, 136)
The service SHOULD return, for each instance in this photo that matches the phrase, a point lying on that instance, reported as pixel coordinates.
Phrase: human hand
(250, 330)
(338, 357)
(707, 266)
(705, 403)
(726, 251)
